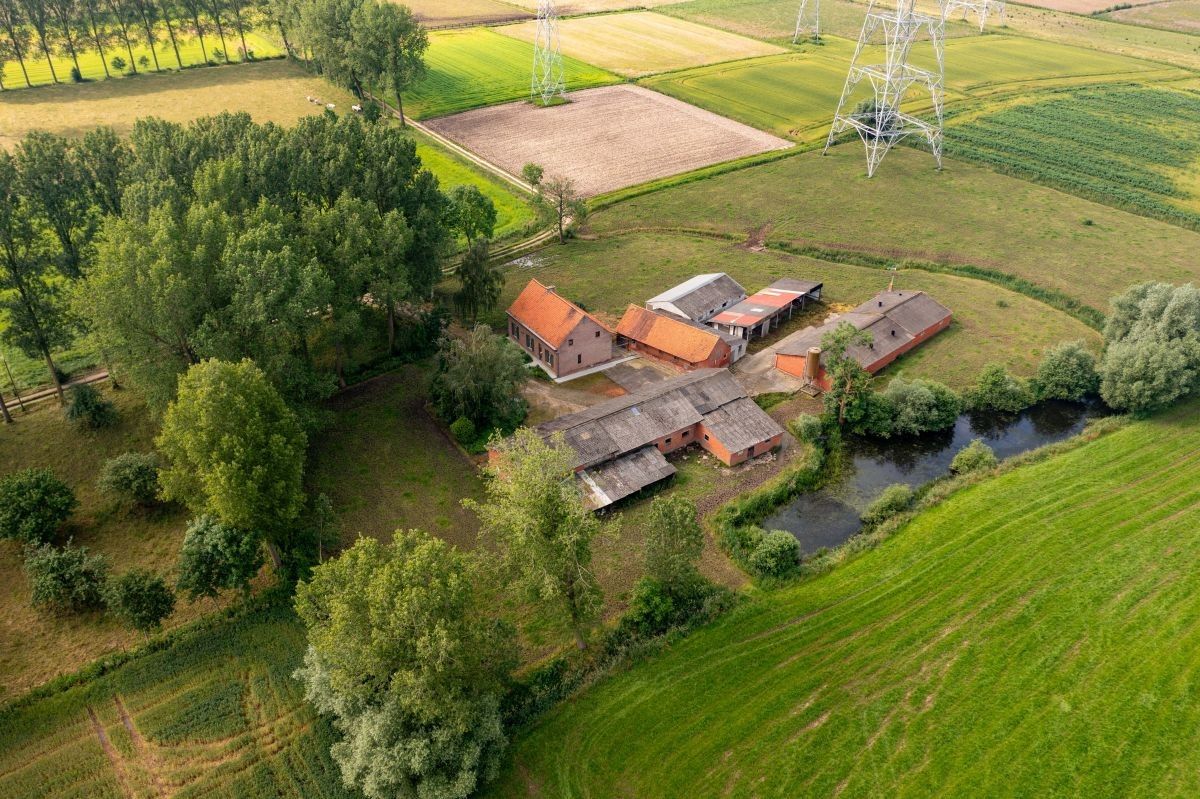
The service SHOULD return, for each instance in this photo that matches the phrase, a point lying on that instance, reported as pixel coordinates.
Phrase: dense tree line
(39, 30)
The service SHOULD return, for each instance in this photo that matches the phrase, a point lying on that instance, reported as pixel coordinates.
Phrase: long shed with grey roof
(700, 298)
(620, 444)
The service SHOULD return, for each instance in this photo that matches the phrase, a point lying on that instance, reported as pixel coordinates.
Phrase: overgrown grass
(1050, 600)
(967, 216)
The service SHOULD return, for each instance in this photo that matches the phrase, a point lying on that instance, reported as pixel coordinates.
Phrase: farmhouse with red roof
(558, 334)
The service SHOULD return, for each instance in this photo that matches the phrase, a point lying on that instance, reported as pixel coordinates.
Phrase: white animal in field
(356, 108)
(330, 106)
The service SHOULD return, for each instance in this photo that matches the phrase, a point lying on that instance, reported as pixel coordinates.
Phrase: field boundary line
(110, 751)
(149, 761)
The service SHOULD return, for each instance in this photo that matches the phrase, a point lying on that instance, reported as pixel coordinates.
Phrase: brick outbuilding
(676, 341)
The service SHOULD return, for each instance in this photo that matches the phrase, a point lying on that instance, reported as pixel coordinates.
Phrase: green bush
(776, 555)
(807, 428)
(33, 505)
(999, 391)
(973, 457)
(88, 408)
(140, 599)
(895, 499)
(67, 579)
(463, 430)
(921, 406)
(1067, 372)
(131, 478)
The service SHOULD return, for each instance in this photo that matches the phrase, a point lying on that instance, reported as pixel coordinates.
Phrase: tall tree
(480, 283)
(284, 15)
(216, 9)
(50, 177)
(123, 13)
(29, 295)
(234, 450)
(37, 15)
(389, 280)
(65, 14)
(402, 654)
(241, 22)
(12, 20)
(535, 515)
(558, 200)
(328, 32)
(98, 32)
(389, 47)
(473, 212)
(169, 8)
(674, 541)
(103, 158)
(147, 14)
(479, 376)
(195, 11)
(849, 382)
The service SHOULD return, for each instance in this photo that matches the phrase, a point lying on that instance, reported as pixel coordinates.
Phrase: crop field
(1131, 147)
(1082, 6)
(217, 714)
(965, 215)
(776, 19)
(608, 274)
(271, 91)
(643, 42)
(33, 646)
(1034, 635)
(795, 95)
(1178, 15)
(476, 67)
(574, 7)
(446, 13)
(605, 139)
(91, 67)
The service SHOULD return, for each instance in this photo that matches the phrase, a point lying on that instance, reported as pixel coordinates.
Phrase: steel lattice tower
(881, 123)
(983, 8)
(547, 59)
(808, 20)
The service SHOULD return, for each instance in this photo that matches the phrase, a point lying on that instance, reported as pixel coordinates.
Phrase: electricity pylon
(808, 20)
(983, 8)
(547, 58)
(880, 122)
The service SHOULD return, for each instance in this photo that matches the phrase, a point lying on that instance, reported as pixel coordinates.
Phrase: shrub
(807, 428)
(118, 63)
(1067, 372)
(997, 390)
(76, 75)
(67, 579)
(973, 457)
(88, 408)
(33, 505)
(911, 407)
(479, 376)
(216, 556)
(776, 555)
(1152, 352)
(140, 599)
(656, 607)
(463, 430)
(131, 478)
(895, 499)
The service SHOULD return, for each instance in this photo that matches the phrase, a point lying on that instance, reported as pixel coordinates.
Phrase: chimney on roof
(893, 332)
(881, 303)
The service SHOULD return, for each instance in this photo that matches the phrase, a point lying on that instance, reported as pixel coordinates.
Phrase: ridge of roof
(667, 333)
(547, 313)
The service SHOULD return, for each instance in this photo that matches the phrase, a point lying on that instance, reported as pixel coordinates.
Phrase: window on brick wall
(570, 342)
(579, 358)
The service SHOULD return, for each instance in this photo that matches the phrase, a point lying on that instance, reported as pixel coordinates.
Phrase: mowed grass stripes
(1033, 636)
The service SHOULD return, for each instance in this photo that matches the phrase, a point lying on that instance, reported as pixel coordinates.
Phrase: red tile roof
(672, 336)
(549, 315)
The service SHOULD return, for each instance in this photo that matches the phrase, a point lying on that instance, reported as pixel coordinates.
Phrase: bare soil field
(605, 139)
(1082, 6)
(1176, 15)
(570, 7)
(448, 13)
(645, 43)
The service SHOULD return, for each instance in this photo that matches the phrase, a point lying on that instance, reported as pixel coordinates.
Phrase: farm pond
(830, 516)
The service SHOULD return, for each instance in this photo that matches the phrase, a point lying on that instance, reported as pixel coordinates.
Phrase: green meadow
(1034, 635)
(475, 67)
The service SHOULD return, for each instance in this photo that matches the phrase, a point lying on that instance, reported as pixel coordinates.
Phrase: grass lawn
(92, 68)
(513, 210)
(1035, 635)
(476, 66)
(964, 214)
(387, 465)
(643, 42)
(991, 324)
(270, 91)
(34, 646)
(775, 20)
(795, 94)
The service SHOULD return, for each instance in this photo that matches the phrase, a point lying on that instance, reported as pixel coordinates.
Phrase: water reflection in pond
(828, 517)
